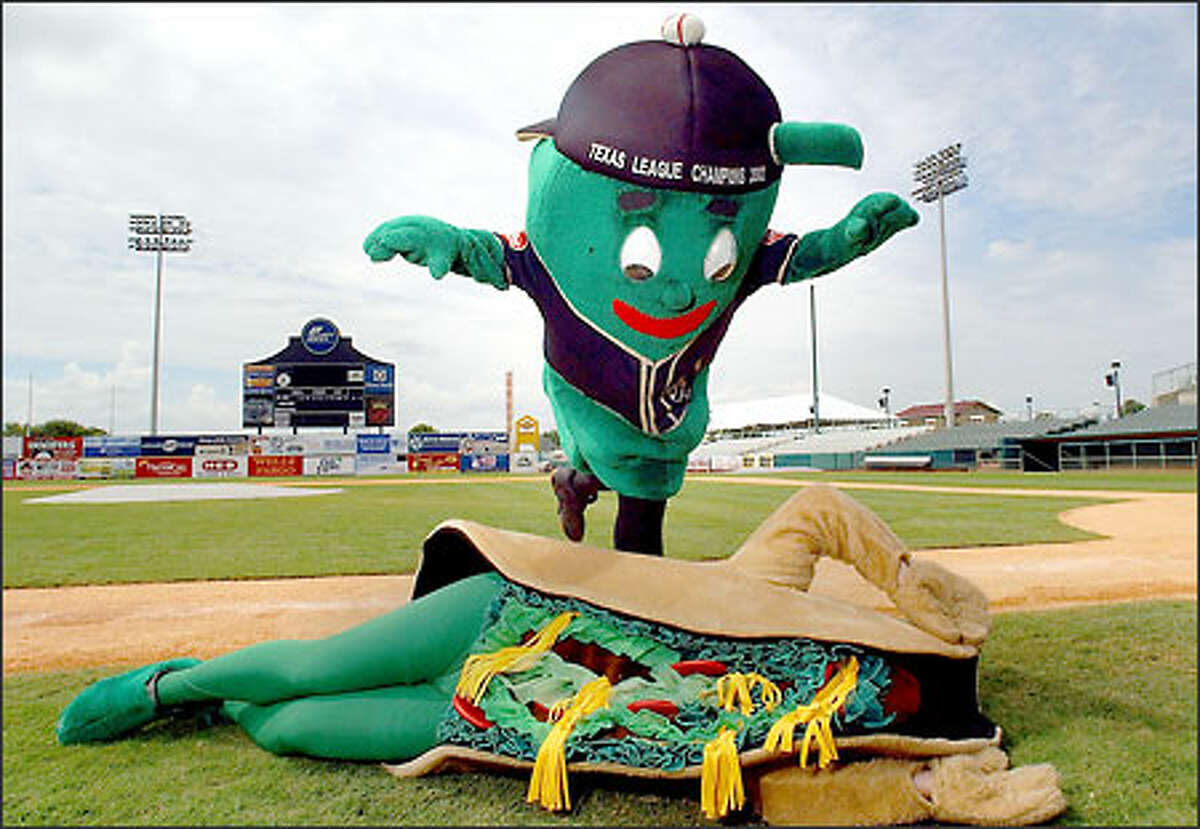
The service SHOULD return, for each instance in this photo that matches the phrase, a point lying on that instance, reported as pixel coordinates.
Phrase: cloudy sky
(287, 132)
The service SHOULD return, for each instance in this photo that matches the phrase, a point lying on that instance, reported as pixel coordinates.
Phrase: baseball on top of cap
(683, 29)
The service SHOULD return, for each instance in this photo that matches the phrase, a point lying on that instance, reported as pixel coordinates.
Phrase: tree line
(52, 429)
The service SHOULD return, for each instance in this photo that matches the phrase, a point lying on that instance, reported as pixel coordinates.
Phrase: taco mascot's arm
(442, 247)
(869, 224)
(821, 520)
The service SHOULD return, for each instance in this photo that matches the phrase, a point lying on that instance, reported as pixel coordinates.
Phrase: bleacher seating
(1181, 417)
(832, 440)
(847, 439)
(738, 447)
(872, 446)
(978, 435)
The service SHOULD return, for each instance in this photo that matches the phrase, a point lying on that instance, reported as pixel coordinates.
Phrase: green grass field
(379, 528)
(1107, 694)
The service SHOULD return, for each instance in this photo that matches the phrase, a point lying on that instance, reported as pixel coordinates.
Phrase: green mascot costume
(646, 229)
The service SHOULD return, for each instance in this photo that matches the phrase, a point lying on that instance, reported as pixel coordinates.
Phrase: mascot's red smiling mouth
(665, 328)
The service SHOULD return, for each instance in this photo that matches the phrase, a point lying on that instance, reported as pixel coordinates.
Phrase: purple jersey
(653, 395)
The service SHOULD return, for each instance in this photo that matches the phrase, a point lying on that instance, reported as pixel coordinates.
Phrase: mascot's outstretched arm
(871, 222)
(442, 247)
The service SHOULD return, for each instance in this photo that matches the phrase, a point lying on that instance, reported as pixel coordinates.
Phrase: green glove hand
(873, 221)
(441, 247)
(421, 240)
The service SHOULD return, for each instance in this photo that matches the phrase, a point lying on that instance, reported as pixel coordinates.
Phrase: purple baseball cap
(673, 114)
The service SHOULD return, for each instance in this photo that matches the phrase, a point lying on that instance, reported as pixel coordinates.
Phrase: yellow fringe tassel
(479, 668)
(734, 689)
(817, 715)
(548, 786)
(721, 776)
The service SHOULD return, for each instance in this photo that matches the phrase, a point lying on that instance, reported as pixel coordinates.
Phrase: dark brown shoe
(574, 490)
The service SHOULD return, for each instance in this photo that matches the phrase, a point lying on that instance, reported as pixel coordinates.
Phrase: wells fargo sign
(276, 466)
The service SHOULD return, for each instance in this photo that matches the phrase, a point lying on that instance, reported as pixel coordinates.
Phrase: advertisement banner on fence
(329, 464)
(220, 466)
(330, 444)
(276, 445)
(489, 445)
(375, 444)
(14, 445)
(44, 449)
(163, 467)
(434, 462)
(303, 444)
(483, 463)
(112, 447)
(433, 441)
(523, 462)
(276, 466)
(223, 445)
(10, 468)
(49, 469)
(170, 447)
(379, 465)
(455, 441)
(109, 468)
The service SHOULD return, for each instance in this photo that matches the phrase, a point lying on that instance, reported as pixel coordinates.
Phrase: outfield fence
(209, 456)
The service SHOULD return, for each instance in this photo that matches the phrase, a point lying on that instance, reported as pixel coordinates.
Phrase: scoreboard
(320, 379)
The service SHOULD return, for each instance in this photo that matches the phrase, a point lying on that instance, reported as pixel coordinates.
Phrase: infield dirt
(1148, 552)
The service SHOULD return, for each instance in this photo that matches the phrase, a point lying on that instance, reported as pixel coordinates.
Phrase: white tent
(791, 408)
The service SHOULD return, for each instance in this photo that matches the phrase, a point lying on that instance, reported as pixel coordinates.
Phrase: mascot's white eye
(640, 255)
(721, 258)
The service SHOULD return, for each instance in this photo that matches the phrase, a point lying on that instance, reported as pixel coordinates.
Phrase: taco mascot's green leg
(385, 724)
(373, 692)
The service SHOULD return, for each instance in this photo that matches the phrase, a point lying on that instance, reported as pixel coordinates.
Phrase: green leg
(385, 724)
(415, 643)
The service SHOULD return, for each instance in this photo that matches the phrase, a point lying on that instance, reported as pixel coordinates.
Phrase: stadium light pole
(1113, 378)
(938, 175)
(161, 233)
(812, 313)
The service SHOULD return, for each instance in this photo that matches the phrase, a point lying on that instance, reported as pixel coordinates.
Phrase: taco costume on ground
(530, 653)
(646, 229)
